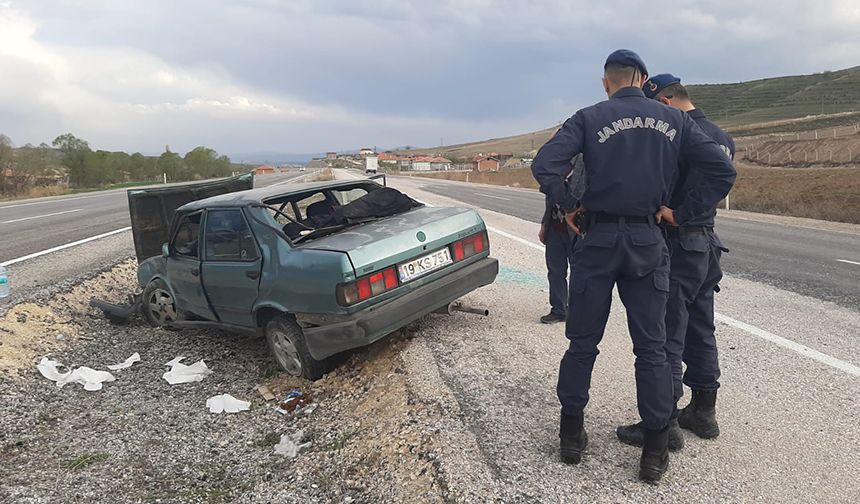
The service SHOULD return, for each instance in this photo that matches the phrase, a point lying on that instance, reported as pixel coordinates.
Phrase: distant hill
(792, 103)
(777, 98)
(273, 157)
(519, 145)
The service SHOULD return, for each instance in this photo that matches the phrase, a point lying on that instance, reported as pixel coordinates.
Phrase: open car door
(152, 209)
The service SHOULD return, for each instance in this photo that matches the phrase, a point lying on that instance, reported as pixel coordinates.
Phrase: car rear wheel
(287, 344)
(158, 307)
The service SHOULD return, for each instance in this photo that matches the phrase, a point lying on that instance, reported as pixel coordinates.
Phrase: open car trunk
(398, 238)
(152, 209)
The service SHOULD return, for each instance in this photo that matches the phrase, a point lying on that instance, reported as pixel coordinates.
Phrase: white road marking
(849, 262)
(791, 345)
(62, 200)
(40, 216)
(74, 243)
(751, 329)
(491, 196)
(63, 247)
(528, 243)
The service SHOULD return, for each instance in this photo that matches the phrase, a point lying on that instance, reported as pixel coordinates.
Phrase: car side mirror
(165, 250)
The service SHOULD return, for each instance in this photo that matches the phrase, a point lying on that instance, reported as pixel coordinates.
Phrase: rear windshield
(315, 213)
(301, 207)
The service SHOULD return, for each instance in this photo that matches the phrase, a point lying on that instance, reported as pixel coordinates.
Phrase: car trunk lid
(152, 209)
(401, 237)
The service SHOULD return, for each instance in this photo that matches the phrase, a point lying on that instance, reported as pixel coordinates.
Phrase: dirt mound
(371, 425)
(29, 331)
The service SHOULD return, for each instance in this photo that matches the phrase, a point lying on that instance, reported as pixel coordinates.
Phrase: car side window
(228, 237)
(186, 240)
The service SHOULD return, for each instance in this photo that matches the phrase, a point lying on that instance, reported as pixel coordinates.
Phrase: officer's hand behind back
(665, 214)
(571, 219)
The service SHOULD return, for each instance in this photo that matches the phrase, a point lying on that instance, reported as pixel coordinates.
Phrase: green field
(774, 99)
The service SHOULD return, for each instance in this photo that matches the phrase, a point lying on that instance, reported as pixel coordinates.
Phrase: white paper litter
(135, 357)
(290, 444)
(48, 368)
(90, 378)
(180, 373)
(226, 403)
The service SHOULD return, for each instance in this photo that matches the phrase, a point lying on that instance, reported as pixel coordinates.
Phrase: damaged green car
(316, 268)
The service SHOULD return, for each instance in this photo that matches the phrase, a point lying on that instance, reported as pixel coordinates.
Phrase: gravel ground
(142, 440)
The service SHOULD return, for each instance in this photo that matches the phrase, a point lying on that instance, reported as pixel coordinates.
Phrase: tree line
(70, 162)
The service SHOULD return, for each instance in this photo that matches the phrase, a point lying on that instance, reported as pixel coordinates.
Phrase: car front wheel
(158, 307)
(287, 344)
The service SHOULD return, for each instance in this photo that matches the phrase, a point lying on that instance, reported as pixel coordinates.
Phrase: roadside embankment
(831, 194)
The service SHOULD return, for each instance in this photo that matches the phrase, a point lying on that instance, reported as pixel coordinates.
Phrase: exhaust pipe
(459, 306)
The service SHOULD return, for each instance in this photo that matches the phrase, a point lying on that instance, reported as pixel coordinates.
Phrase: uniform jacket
(575, 182)
(687, 178)
(632, 148)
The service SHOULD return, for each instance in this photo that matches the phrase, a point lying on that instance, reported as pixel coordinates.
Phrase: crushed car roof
(258, 195)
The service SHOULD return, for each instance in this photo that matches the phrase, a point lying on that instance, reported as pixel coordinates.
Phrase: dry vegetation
(818, 193)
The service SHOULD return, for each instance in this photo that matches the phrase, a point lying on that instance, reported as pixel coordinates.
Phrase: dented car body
(259, 261)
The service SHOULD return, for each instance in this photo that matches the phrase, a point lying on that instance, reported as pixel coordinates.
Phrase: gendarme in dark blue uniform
(631, 147)
(694, 276)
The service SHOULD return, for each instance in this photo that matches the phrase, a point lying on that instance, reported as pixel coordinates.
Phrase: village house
(485, 163)
(388, 157)
(264, 170)
(365, 151)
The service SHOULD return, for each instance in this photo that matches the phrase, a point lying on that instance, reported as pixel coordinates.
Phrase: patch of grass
(268, 441)
(270, 370)
(85, 460)
(341, 440)
(206, 494)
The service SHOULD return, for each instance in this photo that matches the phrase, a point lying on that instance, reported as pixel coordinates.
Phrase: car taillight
(469, 246)
(367, 287)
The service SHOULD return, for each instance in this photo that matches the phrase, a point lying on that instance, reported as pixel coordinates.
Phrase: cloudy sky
(306, 76)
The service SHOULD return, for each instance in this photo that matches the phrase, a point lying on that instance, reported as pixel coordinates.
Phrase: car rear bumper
(331, 334)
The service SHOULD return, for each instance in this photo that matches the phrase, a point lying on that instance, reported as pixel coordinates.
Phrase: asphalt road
(817, 263)
(35, 225)
(50, 244)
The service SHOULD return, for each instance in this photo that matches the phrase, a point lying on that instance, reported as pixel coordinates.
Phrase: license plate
(423, 265)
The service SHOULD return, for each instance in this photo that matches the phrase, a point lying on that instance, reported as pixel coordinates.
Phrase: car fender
(268, 304)
(152, 269)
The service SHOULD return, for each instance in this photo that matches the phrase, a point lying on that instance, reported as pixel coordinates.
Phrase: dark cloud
(476, 68)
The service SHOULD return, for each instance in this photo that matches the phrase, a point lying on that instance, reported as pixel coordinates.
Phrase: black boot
(634, 434)
(573, 439)
(700, 416)
(655, 455)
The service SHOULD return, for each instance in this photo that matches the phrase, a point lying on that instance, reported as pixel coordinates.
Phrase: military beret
(658, 83)
(626, 57)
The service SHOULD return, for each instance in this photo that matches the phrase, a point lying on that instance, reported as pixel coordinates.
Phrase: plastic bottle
(4, 282)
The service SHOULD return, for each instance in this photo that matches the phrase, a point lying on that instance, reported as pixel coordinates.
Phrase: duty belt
(607, 218)
(675, 231)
